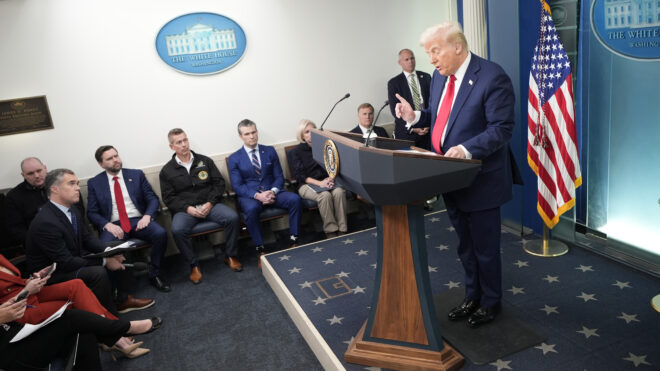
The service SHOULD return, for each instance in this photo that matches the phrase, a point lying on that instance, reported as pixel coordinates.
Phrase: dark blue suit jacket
(399, 85)
(99, 198)
(481, 120)
(51, 238)
(245, 180)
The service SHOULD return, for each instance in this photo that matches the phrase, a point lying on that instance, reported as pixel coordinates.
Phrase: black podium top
(388, 172)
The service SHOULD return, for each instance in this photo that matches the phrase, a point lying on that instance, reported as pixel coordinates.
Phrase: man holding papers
(59, 234)
(122, 204)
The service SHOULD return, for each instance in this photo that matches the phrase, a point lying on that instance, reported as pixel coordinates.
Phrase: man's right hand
(404, 110)
(113, 263)
(266, 197)
(115, 230)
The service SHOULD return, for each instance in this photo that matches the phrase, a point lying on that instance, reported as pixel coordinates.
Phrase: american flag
(551, 140)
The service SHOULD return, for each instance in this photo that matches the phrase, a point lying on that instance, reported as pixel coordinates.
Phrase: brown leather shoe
(261, 253)
(233, 263)
(132, 304)
(196, 275)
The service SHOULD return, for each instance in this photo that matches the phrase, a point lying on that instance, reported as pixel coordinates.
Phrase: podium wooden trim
(401, 331)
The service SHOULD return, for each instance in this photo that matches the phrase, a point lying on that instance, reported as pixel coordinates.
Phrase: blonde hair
(301, 128)
(451, 31)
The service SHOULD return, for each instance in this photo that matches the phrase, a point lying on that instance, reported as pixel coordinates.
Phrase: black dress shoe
(156, 322)
(482, 316)
(464, 310)
(159, 284)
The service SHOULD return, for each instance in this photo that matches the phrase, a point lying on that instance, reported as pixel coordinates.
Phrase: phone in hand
(24, 294)
(50, 270)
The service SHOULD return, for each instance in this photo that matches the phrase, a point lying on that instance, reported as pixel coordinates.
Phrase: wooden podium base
(398, 357)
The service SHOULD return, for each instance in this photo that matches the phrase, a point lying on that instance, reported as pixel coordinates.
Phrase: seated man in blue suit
(122, 204)
(192, 189)
(366, 122)
(257, 179)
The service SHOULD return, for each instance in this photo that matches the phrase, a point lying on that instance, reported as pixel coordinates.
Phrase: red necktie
(443, 116)
(121, 207)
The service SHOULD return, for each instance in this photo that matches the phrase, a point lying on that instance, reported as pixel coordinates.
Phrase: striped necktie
(255, 163)
(417, 100)
(74, 221)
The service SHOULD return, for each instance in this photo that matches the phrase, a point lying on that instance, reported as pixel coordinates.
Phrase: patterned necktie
(255, 163)
(74, 222)
(121, 207)
(417, 101)
(443, 116)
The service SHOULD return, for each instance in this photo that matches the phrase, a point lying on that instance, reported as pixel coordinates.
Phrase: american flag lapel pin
(470, 82)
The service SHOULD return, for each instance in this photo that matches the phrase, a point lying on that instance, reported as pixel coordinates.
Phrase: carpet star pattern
(546, 348)
(549, 310)
(521, 264)
(588, 332)
(551, 279)
(622, 285)
(628, 317)
(358, 290)
(335, 320)
(501, 365)
(637, 360)
(585, 268)
(329, 261)
(516, 290)
(587, 297)
(607, 312)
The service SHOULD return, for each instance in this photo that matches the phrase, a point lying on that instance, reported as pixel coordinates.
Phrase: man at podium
(471, 113)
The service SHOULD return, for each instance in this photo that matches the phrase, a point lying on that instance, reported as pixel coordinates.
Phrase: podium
(401, 331)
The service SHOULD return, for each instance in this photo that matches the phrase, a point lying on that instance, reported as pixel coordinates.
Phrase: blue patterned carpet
(595, 313)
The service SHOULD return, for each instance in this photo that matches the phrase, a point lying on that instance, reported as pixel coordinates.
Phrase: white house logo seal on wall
(201, 43)
(629, 28)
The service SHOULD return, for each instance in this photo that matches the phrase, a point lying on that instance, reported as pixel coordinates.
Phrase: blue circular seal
(630, 29)
(201, 43)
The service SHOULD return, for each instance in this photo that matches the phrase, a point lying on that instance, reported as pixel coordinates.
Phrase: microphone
(333, 107)
(366, 140)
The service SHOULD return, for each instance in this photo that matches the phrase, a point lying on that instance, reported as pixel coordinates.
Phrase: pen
(29, 306)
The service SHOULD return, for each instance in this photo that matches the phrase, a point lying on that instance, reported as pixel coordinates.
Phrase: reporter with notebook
(315, 184)
(58, 338)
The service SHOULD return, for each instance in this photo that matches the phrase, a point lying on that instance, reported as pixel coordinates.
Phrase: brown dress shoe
(131, 304)
(233, 263)
(196, 275)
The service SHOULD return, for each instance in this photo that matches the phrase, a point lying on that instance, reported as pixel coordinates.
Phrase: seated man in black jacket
(24, 200)
(192, 189)
(59, 234)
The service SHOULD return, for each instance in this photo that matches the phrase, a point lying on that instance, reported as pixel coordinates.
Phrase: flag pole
(546, 248)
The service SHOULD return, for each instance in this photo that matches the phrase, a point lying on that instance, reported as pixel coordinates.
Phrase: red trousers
(52, 297)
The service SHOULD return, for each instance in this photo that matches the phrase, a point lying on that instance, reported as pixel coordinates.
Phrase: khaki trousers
(332, 207)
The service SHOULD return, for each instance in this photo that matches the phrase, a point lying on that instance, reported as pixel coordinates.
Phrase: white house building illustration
(631, 13)
(200, 38)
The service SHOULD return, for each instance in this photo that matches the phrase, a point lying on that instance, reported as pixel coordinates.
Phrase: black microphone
(333, 107)
(366, 140)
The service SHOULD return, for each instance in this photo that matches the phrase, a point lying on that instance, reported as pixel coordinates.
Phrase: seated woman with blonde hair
(315, 184)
